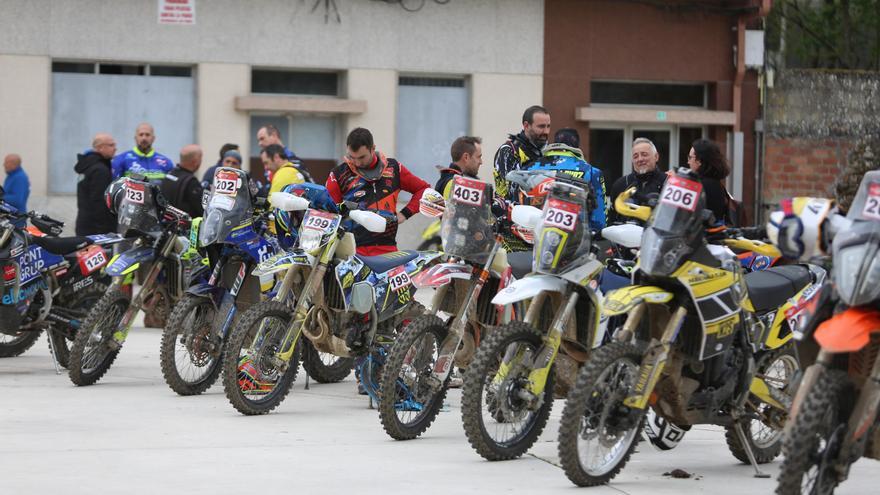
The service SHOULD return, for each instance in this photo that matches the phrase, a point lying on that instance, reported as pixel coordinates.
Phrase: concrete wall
(24, 114)
(217, 120)
(379, 88)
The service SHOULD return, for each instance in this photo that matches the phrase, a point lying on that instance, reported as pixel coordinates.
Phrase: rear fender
(528, 288)
(442, 274)
(848, 331)
(130, 261)
(620, 301)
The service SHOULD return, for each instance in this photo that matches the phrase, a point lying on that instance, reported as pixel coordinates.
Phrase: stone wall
(812, 119)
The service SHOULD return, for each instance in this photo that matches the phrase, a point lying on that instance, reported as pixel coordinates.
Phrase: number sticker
(226, 183)
(468, 191)
(91, 259)
(872, 204)
(561, 214)
(398, 279)
(681, 193)
(134, 193)
(320, 221)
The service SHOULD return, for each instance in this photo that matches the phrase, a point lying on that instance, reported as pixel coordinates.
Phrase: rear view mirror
(373, 222)
(526, 216)
(288, 202)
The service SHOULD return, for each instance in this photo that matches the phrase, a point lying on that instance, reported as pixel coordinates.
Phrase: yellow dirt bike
(702, 344)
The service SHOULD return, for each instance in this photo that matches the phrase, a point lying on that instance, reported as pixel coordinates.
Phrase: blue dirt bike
(232, 231)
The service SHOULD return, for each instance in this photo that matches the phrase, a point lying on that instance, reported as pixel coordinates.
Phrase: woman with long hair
(706, 159)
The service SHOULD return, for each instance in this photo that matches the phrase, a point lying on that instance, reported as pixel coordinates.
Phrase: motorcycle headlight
(660, 256)
(857, 274)
(310, 240)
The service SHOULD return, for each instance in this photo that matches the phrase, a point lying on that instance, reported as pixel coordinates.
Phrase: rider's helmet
(287, 222)
(661, 433)
(113, 194)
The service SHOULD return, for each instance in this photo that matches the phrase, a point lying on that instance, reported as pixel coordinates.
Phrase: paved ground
(131, 433)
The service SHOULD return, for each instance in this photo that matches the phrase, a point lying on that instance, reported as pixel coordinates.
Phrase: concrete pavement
(130, 433)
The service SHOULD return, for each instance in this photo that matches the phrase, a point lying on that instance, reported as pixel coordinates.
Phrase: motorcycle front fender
(621, 301)
(528, 288)
(208, 291)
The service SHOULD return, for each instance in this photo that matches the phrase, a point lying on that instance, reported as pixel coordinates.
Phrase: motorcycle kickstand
(748, 447)
(54, 353)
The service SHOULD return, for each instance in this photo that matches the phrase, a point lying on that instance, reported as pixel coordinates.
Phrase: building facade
(416, 79)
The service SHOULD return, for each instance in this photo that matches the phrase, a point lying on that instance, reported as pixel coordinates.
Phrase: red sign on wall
(177, 12)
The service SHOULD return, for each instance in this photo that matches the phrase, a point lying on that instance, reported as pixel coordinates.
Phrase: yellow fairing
(643, 213)
(703, 280)
(760, 390)
(621, 301)
(758, 247)
(774, 338)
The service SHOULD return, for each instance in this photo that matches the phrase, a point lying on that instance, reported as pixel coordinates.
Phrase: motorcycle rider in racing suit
(142, 159)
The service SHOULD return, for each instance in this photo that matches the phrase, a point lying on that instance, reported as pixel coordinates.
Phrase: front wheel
(15, 345)
(812, 446)
(502, 418)
(191, 348)
(256, 380)
(597, 432)
(93, 349)
(409, 400)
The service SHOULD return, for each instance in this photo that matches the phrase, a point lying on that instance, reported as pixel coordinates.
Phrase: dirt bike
(419, 364)
(345, 304)
(199, 324)
(702, 344)
(49, 282)
(509, 387)
(159, 237)
(834, 419)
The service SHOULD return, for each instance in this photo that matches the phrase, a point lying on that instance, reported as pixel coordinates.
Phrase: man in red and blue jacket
(373, 181)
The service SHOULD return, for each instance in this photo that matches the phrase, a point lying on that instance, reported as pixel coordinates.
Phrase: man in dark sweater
(646, 177)
(181, 187)
(93, 167)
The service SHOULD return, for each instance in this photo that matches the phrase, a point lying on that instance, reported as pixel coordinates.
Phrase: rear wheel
(324, 367)
(409, 400)
(93, 349)
(597, 432)
(502, 419)
(77, 308)
(255, 379)
(813, 444)
(18, 343)
(191, 348)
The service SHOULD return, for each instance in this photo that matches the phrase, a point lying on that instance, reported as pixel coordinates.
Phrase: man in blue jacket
(142, 159)
(17, 187)
(565, 155)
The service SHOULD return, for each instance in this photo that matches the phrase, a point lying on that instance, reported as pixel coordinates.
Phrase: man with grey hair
(646, 177)
(181, 187)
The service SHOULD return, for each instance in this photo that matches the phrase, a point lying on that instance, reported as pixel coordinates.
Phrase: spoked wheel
(324, 367)
(502, 418)
(765, 434)
(78, 308)
(597, 432)
(18, 343)
(812, 446)
(409, 397)
(94, 349)
(191, 347)
(255, 377)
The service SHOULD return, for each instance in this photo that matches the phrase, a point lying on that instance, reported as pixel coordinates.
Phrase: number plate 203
(561, 214)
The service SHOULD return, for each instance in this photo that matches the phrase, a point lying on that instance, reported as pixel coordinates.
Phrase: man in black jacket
(93, 167)
(646, 177)
(181, 187)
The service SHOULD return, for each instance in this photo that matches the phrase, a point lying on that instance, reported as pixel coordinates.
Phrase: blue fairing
(128, 258)
(204, 289)
(33, 261)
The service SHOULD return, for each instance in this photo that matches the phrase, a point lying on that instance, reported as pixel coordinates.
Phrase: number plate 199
(681, 193)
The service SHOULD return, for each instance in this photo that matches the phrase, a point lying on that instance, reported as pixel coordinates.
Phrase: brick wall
(802, 166)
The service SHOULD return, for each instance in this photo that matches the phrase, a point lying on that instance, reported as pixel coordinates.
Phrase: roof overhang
(299, 104)
(654, 115)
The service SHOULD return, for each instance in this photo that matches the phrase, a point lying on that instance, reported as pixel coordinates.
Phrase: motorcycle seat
(770, 288)
(62, 245)
(385, 262)
(520, 263)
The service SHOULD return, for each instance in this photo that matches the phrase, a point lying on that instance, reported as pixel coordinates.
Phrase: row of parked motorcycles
(678, 323)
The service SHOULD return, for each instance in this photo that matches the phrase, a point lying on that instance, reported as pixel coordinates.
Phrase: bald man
(142, 159)
(93, 167)
(181, 187)
(16, 187)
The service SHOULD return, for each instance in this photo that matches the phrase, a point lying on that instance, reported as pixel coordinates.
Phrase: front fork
(656, 357)
(136, 304)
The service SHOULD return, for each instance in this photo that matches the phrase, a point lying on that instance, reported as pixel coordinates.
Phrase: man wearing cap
(208, 177)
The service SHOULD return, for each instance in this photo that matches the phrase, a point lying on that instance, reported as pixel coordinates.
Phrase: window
(122, 69)
(73, 67)
(170, 71)
(654, 94)
(294, 83)
(431, 81)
